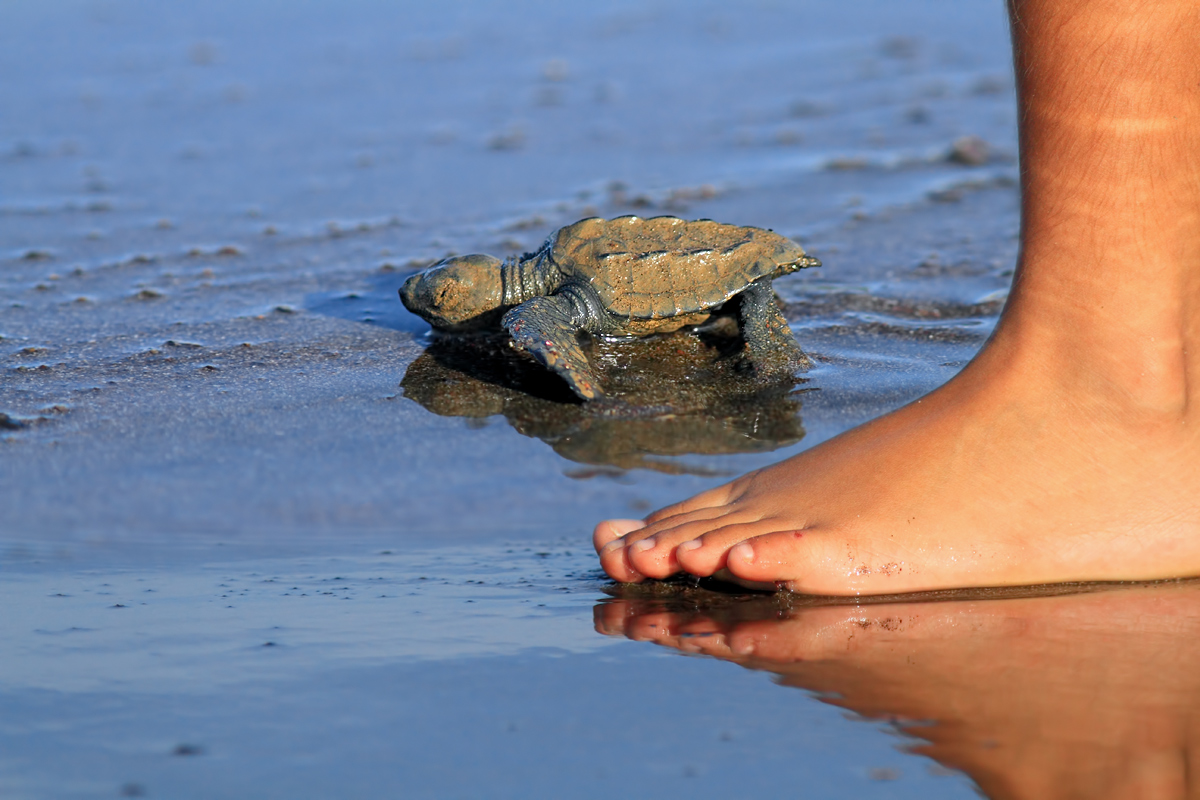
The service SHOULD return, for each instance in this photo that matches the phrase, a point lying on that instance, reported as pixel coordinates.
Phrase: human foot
(1069, 449)
(1001, 477)
(1087, 695)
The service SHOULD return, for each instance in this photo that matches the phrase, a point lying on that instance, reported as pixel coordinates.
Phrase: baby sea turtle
(622, 277)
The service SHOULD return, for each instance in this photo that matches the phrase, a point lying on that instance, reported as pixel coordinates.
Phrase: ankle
(1095, 361)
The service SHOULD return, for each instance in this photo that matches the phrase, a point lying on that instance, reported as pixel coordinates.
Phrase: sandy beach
(262, 535)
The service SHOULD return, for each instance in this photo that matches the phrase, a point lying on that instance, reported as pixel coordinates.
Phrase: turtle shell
(665, 266)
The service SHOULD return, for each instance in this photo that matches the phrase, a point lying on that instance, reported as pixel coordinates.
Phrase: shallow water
(261, 535)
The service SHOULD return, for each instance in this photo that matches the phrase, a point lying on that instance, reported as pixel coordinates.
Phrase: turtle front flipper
(545, 326)
(770, 344)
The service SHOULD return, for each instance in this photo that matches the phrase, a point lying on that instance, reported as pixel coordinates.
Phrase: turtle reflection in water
(717, 405)
(625, 277)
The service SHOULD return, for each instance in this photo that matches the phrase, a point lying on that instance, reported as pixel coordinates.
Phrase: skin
(456, 294)
(1069, 449)
(1091, 696)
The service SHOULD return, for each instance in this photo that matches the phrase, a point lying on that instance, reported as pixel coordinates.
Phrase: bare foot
(1001, 477)
(1070, 448)
(1077, 696)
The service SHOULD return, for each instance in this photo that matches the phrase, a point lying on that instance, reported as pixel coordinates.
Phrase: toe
(781, 556)
(611, 529)
(705, 555)
(649, 555)
(615, 561)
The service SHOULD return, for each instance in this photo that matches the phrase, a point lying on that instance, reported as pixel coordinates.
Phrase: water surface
(262, 536)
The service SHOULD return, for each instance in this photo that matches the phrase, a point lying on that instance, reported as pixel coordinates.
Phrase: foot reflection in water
(679, 394)
(1087, 695)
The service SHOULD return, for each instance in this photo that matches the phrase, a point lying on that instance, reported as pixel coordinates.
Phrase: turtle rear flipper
(770, 343)
(545, 326)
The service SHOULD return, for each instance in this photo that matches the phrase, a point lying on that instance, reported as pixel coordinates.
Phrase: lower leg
(1069, 449)
(1110, 151)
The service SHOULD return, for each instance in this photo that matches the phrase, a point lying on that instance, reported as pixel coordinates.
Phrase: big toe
(775, 558)
(612, 529)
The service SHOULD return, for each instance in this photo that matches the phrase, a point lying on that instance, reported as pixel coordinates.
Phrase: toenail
(743, 551)
(691, 544)
(613, 546)
(644, 544)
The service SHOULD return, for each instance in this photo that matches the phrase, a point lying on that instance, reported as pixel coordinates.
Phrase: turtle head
(456, 294)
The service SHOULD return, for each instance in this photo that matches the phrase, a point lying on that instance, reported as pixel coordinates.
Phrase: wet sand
(261, 535)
